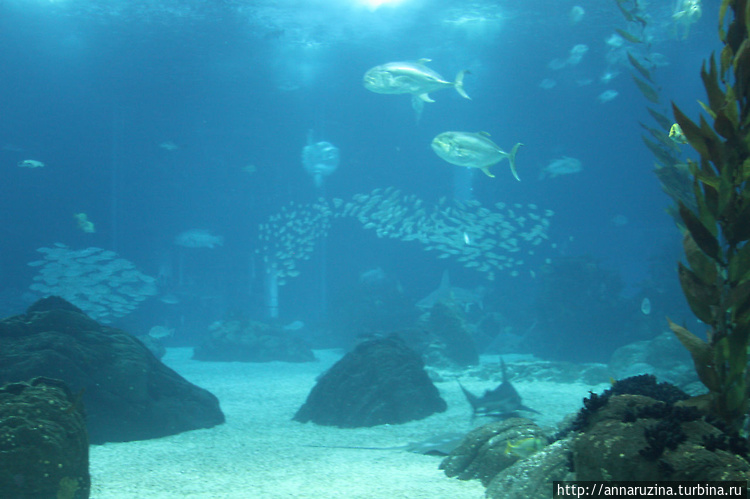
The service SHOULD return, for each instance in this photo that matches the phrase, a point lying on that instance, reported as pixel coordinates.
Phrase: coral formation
(484, 451)
(44, 448)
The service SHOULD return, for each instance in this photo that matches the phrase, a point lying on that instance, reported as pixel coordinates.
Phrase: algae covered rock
(381, 381)
(44, 449)
(634, 437)
(533, 477)
(484, 452)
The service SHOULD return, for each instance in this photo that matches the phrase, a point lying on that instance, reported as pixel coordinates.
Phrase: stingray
(438, 445)
(501, 403)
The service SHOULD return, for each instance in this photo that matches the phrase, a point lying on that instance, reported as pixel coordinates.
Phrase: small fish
(562, 166)
(294, 326)
(169, 299)
(607, 96)
(84, 223)
(159, 332)
(30, 163)
(686, 13)
(524, 447)
(473, 150)
(676, 134)
(410, 78)
(168, 145)
(576, 14)
(198, 238)
(646, 306)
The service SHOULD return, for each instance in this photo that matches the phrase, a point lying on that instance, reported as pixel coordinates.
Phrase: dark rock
(52, 303)
(250, 341)
(380, 382)
(128, 393)
(482, 454)
(533, 477)
(446, 323)
(44, 450)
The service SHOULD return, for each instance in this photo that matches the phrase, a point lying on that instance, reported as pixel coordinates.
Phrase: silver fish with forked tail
(411, 78)
(473, 150)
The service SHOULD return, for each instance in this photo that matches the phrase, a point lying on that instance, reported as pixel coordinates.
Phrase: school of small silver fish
(290, 236)
(95, 280)
(488, 240)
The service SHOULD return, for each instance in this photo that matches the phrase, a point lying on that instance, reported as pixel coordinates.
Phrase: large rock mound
(381, 381)
(128, 393)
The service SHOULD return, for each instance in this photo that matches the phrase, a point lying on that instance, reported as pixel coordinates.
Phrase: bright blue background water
(92, 88)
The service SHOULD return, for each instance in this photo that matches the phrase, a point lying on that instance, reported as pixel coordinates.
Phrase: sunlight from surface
(375, 4)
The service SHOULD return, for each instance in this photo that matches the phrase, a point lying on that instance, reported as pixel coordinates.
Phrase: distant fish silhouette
(503, 402)
(445, 293)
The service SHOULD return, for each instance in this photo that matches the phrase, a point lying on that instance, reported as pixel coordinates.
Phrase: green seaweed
(647, 90)
(639, 67)
(664, 122)
(716, 279)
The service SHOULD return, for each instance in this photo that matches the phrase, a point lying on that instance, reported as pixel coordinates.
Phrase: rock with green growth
(489, 449)
(44, 447)
(634, 437)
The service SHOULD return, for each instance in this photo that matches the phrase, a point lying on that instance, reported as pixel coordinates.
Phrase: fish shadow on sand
(438, 445)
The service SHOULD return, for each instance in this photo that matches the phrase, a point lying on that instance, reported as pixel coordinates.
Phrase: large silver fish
(410, 78)
(473, 150)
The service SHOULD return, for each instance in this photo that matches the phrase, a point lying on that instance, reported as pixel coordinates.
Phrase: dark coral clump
(646, 385)
(666, 434)
(591, 404)
(729, 443)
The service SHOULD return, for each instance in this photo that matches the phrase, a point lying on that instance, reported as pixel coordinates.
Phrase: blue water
(92, 88)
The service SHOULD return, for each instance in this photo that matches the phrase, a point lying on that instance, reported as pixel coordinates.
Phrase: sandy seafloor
(261, 453)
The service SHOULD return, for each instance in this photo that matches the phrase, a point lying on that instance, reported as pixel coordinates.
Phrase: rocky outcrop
(634, 437)
(533, 477)
(380, 382)
(483, 452)
(447, 325)
(128, 394)
(250, 341)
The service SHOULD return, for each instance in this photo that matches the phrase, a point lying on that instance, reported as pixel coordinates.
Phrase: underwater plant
(716, 279)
